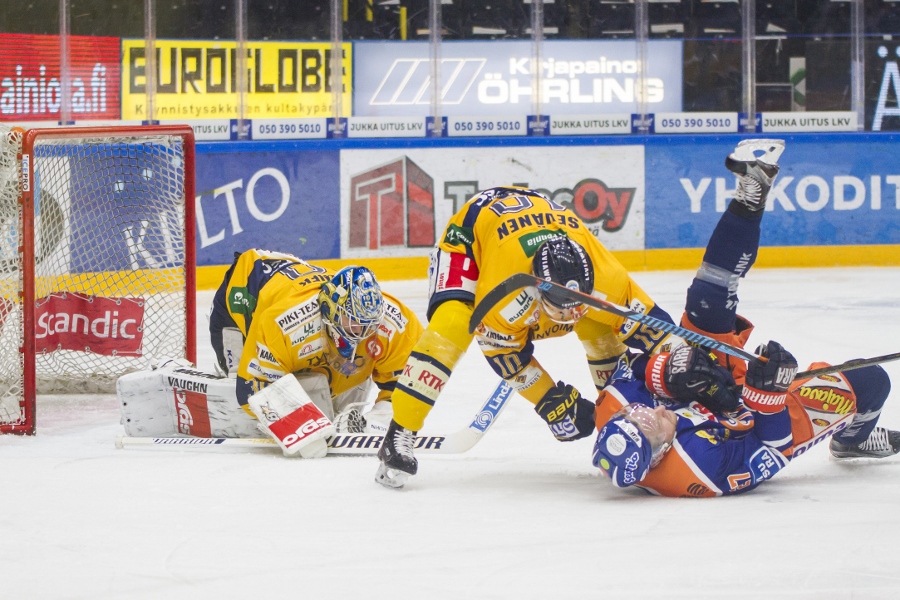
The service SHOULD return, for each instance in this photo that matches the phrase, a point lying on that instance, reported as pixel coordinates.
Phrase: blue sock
(872, 387)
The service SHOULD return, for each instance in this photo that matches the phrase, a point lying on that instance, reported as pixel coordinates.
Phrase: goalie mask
(562, 261)
(352, 308)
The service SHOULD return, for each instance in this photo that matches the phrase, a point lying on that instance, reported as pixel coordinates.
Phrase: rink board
(651, 199)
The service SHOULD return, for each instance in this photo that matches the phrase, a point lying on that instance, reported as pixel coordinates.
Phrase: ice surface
(519, 516)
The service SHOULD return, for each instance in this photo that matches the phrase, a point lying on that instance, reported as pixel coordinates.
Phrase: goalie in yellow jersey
(500, 232)
(276, 315)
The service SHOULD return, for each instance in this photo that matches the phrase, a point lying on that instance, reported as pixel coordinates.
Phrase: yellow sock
(430, 364)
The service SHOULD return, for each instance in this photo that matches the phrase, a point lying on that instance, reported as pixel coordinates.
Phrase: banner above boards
(524, 125)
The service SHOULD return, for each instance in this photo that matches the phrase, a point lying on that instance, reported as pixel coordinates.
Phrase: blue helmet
(352, 308)
(623, 452)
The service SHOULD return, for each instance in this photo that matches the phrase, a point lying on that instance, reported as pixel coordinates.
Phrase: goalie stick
(521, 280)
(357, 444)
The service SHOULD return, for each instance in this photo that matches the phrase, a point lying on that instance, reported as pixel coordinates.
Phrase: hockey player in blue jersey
(688, 423)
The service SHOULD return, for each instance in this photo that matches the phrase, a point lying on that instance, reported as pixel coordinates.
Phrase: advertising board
(832, 190)
(395, 202)
(198, 79)
(286, 201)
(495, 78)
(30, 86)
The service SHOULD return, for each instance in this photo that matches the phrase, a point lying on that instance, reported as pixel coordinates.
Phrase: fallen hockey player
(276, 316)
(683, 423)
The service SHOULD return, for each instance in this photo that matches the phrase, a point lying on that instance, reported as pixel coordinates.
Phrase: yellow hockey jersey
(289, 337)
(501, 230)
(260, 278)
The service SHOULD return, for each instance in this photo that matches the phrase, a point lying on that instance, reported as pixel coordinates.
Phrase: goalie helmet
(562, 261)
(352, 308)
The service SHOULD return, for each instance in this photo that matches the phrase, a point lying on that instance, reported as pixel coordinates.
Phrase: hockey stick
(521, 280)
(357, 444)
(849, 365)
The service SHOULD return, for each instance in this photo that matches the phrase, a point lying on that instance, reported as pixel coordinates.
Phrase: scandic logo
(71, 321)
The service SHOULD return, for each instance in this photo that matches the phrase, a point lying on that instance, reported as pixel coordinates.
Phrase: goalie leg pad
(288, 416)
(174, 400)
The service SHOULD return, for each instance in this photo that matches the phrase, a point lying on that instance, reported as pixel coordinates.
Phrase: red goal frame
(27, 245)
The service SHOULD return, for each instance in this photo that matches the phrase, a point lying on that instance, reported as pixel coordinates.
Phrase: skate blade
(390, 478)
(747, 150)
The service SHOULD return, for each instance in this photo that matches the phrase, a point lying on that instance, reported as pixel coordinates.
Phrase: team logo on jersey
(265, 354)
(459, 236)
(826, 399)
(520, 306)
(241, 301)
(545, 328)
(697, 489)
(386, 331)
(302, 334)
(261, 372)
(374, 347)
(530, 242)
(311, 348)
(393, 312)
(296, 316)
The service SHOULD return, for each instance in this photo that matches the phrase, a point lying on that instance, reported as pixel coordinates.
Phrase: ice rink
(519, 516)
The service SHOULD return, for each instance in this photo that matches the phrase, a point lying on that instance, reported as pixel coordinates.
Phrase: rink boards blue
(653, 200)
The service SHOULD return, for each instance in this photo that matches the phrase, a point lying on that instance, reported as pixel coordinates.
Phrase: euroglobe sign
(491, 78)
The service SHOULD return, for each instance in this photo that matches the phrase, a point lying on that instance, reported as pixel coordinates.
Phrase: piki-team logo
(193, 413)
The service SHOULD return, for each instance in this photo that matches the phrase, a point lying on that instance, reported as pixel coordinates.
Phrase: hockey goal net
(96, 259)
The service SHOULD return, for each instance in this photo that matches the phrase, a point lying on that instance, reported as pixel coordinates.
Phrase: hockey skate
(755, 172)
(881, 443)
(396, 455)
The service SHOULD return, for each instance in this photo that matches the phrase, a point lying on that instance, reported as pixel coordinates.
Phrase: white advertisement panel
(396, 202)
(497, 78)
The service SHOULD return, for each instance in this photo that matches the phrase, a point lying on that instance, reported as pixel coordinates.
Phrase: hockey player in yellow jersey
(293, 317)
(500, 232)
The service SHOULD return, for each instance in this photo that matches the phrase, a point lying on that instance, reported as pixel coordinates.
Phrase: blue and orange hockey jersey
(714, 455)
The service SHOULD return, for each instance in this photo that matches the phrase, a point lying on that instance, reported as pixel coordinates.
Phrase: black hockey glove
(689, 374)
(766, 384)
(569, 416)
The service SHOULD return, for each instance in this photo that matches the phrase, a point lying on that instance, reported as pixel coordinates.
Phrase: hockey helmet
(352, 308)
(565, 262)
(624, 450)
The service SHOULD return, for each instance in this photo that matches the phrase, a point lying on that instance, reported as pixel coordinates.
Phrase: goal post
(97, 259)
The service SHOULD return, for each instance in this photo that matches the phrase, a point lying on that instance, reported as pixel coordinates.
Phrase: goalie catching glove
(690, 375)
(566, 412)
(766, 385)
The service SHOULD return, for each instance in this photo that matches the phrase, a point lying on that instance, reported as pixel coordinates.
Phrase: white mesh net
(109, 254)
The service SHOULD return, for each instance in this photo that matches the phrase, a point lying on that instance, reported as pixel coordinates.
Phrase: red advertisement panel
(108, 326)
(30, 88)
